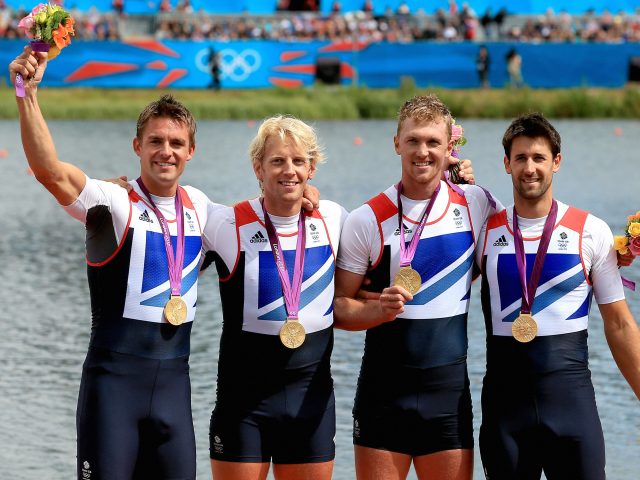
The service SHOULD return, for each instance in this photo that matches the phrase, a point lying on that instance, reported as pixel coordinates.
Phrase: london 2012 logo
(236, 65)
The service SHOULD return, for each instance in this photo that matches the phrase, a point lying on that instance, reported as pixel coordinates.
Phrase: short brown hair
(425, 108)
(167, 107)
(531, 125)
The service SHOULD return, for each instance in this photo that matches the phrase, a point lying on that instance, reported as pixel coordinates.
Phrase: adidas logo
(501, 242)
(406, 230)
(258, 238)
(145, 217)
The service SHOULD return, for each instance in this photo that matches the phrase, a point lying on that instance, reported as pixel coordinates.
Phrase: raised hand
(30, 66)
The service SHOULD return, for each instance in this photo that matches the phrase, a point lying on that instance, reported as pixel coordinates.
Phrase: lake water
(46, 315)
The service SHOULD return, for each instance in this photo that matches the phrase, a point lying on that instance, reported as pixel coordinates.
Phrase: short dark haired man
(143, 257)
(542, 261)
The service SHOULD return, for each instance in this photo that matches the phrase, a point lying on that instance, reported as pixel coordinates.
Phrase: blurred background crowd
(296, 20)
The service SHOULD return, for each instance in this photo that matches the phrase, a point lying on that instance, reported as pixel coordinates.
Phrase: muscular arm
(351, 313)
(63, 180)
(623, 337)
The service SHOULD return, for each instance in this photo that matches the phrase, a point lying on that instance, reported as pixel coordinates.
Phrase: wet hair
(531, 125)
(286, 127)
(425, 108)
(167, 107)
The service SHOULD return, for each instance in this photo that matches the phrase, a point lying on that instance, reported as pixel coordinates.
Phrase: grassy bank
(334, 103)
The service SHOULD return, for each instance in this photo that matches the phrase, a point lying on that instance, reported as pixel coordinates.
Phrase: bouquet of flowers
(630, 241)
(459, 140)
(49, 28)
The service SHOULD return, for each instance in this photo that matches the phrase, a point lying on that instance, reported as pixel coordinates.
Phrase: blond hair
(425, 108)
(286, 127)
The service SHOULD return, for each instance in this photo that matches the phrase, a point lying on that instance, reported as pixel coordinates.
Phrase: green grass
(333, 103)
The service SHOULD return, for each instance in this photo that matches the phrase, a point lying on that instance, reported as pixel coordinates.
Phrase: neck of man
(281, 208)
(419, 191)
(533, 207)
(160, 189)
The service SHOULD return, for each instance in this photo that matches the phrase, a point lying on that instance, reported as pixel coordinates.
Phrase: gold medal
(175, 311)
(524, 328)
(292, 333)
(408, 279)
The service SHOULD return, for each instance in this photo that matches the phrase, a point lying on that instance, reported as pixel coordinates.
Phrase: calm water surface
(45, 316)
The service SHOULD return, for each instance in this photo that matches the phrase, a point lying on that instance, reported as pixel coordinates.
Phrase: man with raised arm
(143, 257)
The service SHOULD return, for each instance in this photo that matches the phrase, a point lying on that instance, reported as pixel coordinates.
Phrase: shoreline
(331, 103)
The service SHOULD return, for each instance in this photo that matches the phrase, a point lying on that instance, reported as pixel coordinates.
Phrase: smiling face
(164, 149)
(424, 147)
(531, 165)
(283, 172)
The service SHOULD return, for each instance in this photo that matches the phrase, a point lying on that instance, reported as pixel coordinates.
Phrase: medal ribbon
(175, 263)
(529, 289)
(407, 252)
(290, 290)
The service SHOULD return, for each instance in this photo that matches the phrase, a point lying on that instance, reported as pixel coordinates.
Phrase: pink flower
(456, 132)
(38, 8)
(26, 24)
(634, 245)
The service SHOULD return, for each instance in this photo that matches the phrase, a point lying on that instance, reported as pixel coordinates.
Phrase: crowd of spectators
(91, 25)
(402, 25)
(444, 25)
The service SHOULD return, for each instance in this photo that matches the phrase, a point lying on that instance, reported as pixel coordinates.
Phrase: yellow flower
(41, 17)
(620, 243)
(634, 229)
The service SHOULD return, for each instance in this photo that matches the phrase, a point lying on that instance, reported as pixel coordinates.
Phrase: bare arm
(351, 313)
(623, 337)
(63, 180)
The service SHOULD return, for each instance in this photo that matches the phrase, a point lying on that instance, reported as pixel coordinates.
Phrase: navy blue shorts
(417, 412)
(275, 432)
(134, 418)
(550, 424)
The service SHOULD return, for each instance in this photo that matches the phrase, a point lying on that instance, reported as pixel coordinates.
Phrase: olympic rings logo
(233, 65)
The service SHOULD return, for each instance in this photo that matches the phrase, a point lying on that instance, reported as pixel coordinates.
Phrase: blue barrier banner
(263, 64)
(266, 7)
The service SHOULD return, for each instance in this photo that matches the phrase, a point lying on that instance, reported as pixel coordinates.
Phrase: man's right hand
(31, 66)
(392, 300)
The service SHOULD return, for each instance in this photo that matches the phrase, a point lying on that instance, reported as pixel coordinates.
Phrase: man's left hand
(121, 181)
